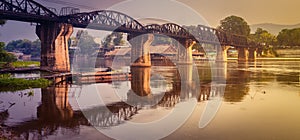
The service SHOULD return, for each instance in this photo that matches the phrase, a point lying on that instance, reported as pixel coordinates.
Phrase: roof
(118, 52)
(163, 49)
(159, 49)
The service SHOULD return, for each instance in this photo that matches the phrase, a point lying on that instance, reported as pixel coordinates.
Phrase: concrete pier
(54, 46)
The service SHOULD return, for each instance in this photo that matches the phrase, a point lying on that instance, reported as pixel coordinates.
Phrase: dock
(88, 78)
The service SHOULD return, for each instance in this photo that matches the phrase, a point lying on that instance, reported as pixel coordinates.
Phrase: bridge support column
(55, 105)
(222, 53)
(185, 54)
(54, 46)
(243, 54)
(186, 80)
(140, 82)
(140, 49)
(252, 54)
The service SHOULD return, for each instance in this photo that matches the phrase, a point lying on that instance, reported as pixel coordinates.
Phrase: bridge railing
(25, 10)
(25, 6)
(68, 11)
(31, 11)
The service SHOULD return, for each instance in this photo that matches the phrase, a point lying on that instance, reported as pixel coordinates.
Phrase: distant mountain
(272, 28)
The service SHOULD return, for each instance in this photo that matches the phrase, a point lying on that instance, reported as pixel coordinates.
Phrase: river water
(258, 100)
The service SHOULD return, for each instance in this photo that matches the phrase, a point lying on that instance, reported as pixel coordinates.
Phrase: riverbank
(288, 53)
(19, 64)
(7, 83)
(271, 59)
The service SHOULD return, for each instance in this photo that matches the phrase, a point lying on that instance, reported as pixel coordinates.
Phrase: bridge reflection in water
(55, 111)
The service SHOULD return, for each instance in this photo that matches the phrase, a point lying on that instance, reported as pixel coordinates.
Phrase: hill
(272, 28)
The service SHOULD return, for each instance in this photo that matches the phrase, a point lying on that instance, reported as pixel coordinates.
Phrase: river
(258, 100)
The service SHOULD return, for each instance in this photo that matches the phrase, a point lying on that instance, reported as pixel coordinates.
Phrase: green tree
(25, 46)
(118, 40)
(289, 37)
(161, 40)
(263, 37)
(36, 48)
(107, 43)
(86, 43)
(4, 56)
(198, 47)
(235, 25)
(112, 40)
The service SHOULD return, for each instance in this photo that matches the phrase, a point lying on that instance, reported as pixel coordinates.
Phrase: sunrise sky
(253, 11)
(187, 12)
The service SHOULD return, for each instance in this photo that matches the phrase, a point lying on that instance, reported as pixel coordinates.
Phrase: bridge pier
(186, 80)
(219, 72)
(140, 82)
(222, 53)
(243, 54)
(140, 49)
(252, 54)
(55, 104)
(185, 54)
(54, 46)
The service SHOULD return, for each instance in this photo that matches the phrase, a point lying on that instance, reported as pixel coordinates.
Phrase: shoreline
(272, 59)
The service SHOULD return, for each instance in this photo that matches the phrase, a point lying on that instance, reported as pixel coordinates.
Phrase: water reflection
(150, 89)
(140, 82)
(55, 104)
(53, 113)
(237, 83)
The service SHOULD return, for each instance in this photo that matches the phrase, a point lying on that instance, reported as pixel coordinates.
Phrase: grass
(22, 64)
(13, 84)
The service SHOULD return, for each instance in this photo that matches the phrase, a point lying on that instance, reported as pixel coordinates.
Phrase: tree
(4, 56)
(289, 37)
(86, 43)
(263, 37)
(2, 22)
(36, 48)
(161, 40)
(25, 46)
(112, 40)
(118, 40)
(235, 25)
(107, 43)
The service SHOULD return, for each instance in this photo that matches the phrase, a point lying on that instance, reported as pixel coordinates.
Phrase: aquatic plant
(7, 83)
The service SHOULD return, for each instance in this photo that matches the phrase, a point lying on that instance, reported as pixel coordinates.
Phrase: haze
(210, 12)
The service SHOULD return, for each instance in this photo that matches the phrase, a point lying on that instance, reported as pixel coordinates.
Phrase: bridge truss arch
(27, 10)
(169, 29)
(104, 20)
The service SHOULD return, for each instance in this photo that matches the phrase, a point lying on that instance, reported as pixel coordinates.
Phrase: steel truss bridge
(31, 11)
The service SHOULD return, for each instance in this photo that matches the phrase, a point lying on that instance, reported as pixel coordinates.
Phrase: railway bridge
(54, 31)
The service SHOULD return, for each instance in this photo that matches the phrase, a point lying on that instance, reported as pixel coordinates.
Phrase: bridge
(54, 30)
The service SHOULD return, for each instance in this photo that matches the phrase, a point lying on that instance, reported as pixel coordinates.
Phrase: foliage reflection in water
(255, 95)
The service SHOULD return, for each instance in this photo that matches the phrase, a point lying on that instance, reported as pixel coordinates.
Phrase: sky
(253, 11)
(187, 12)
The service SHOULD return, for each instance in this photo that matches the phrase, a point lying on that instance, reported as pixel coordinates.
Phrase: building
(21, 56)
(123, 52)
(161, 51)
(156, 52)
